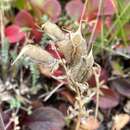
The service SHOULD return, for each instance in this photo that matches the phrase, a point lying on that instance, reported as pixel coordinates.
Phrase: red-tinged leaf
(45, 118)
(14, 34)
(74, 8)
(52, 8)
(24, 18)
(122, 86)
(58, 72)
(99, 26)
(68, 95)
(108, 22)
(53, 52)
(6, 115)
(109, 99)
(103, 77)
(92, 9)
(108, 7)
(37, 34)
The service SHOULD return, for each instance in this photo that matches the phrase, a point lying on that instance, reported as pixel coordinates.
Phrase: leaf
(45, 118)
(14, 34)
(52, 8)
(53, 52)
(74, 8)
(108, 22)
(6, 115)
(20, 4)
(109, 99)
(68, 95)
(58, 72)
(122, 86)
(98, 26)
(92, 9)
(120, 121)
(24, 19)
(108, 7)
(103, 77)
(90, 124)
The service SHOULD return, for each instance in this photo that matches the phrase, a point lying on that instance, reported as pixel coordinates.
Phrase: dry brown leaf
(90, 124)
(120, 121)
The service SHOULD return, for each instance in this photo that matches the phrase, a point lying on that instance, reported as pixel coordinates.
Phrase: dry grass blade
(90, 43)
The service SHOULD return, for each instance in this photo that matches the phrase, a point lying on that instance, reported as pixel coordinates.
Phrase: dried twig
(53, 91)
(97, 72)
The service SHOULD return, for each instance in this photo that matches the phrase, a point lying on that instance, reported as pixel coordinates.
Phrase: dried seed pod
(76, 54)
(79, 46)
(83, 69)
(73, 48)
(53, 31)
(66, 48)
(37, 54)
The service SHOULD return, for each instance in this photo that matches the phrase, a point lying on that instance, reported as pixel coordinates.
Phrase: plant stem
(97, 75)
(90, 45)
(2, 26)
(2, 127)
